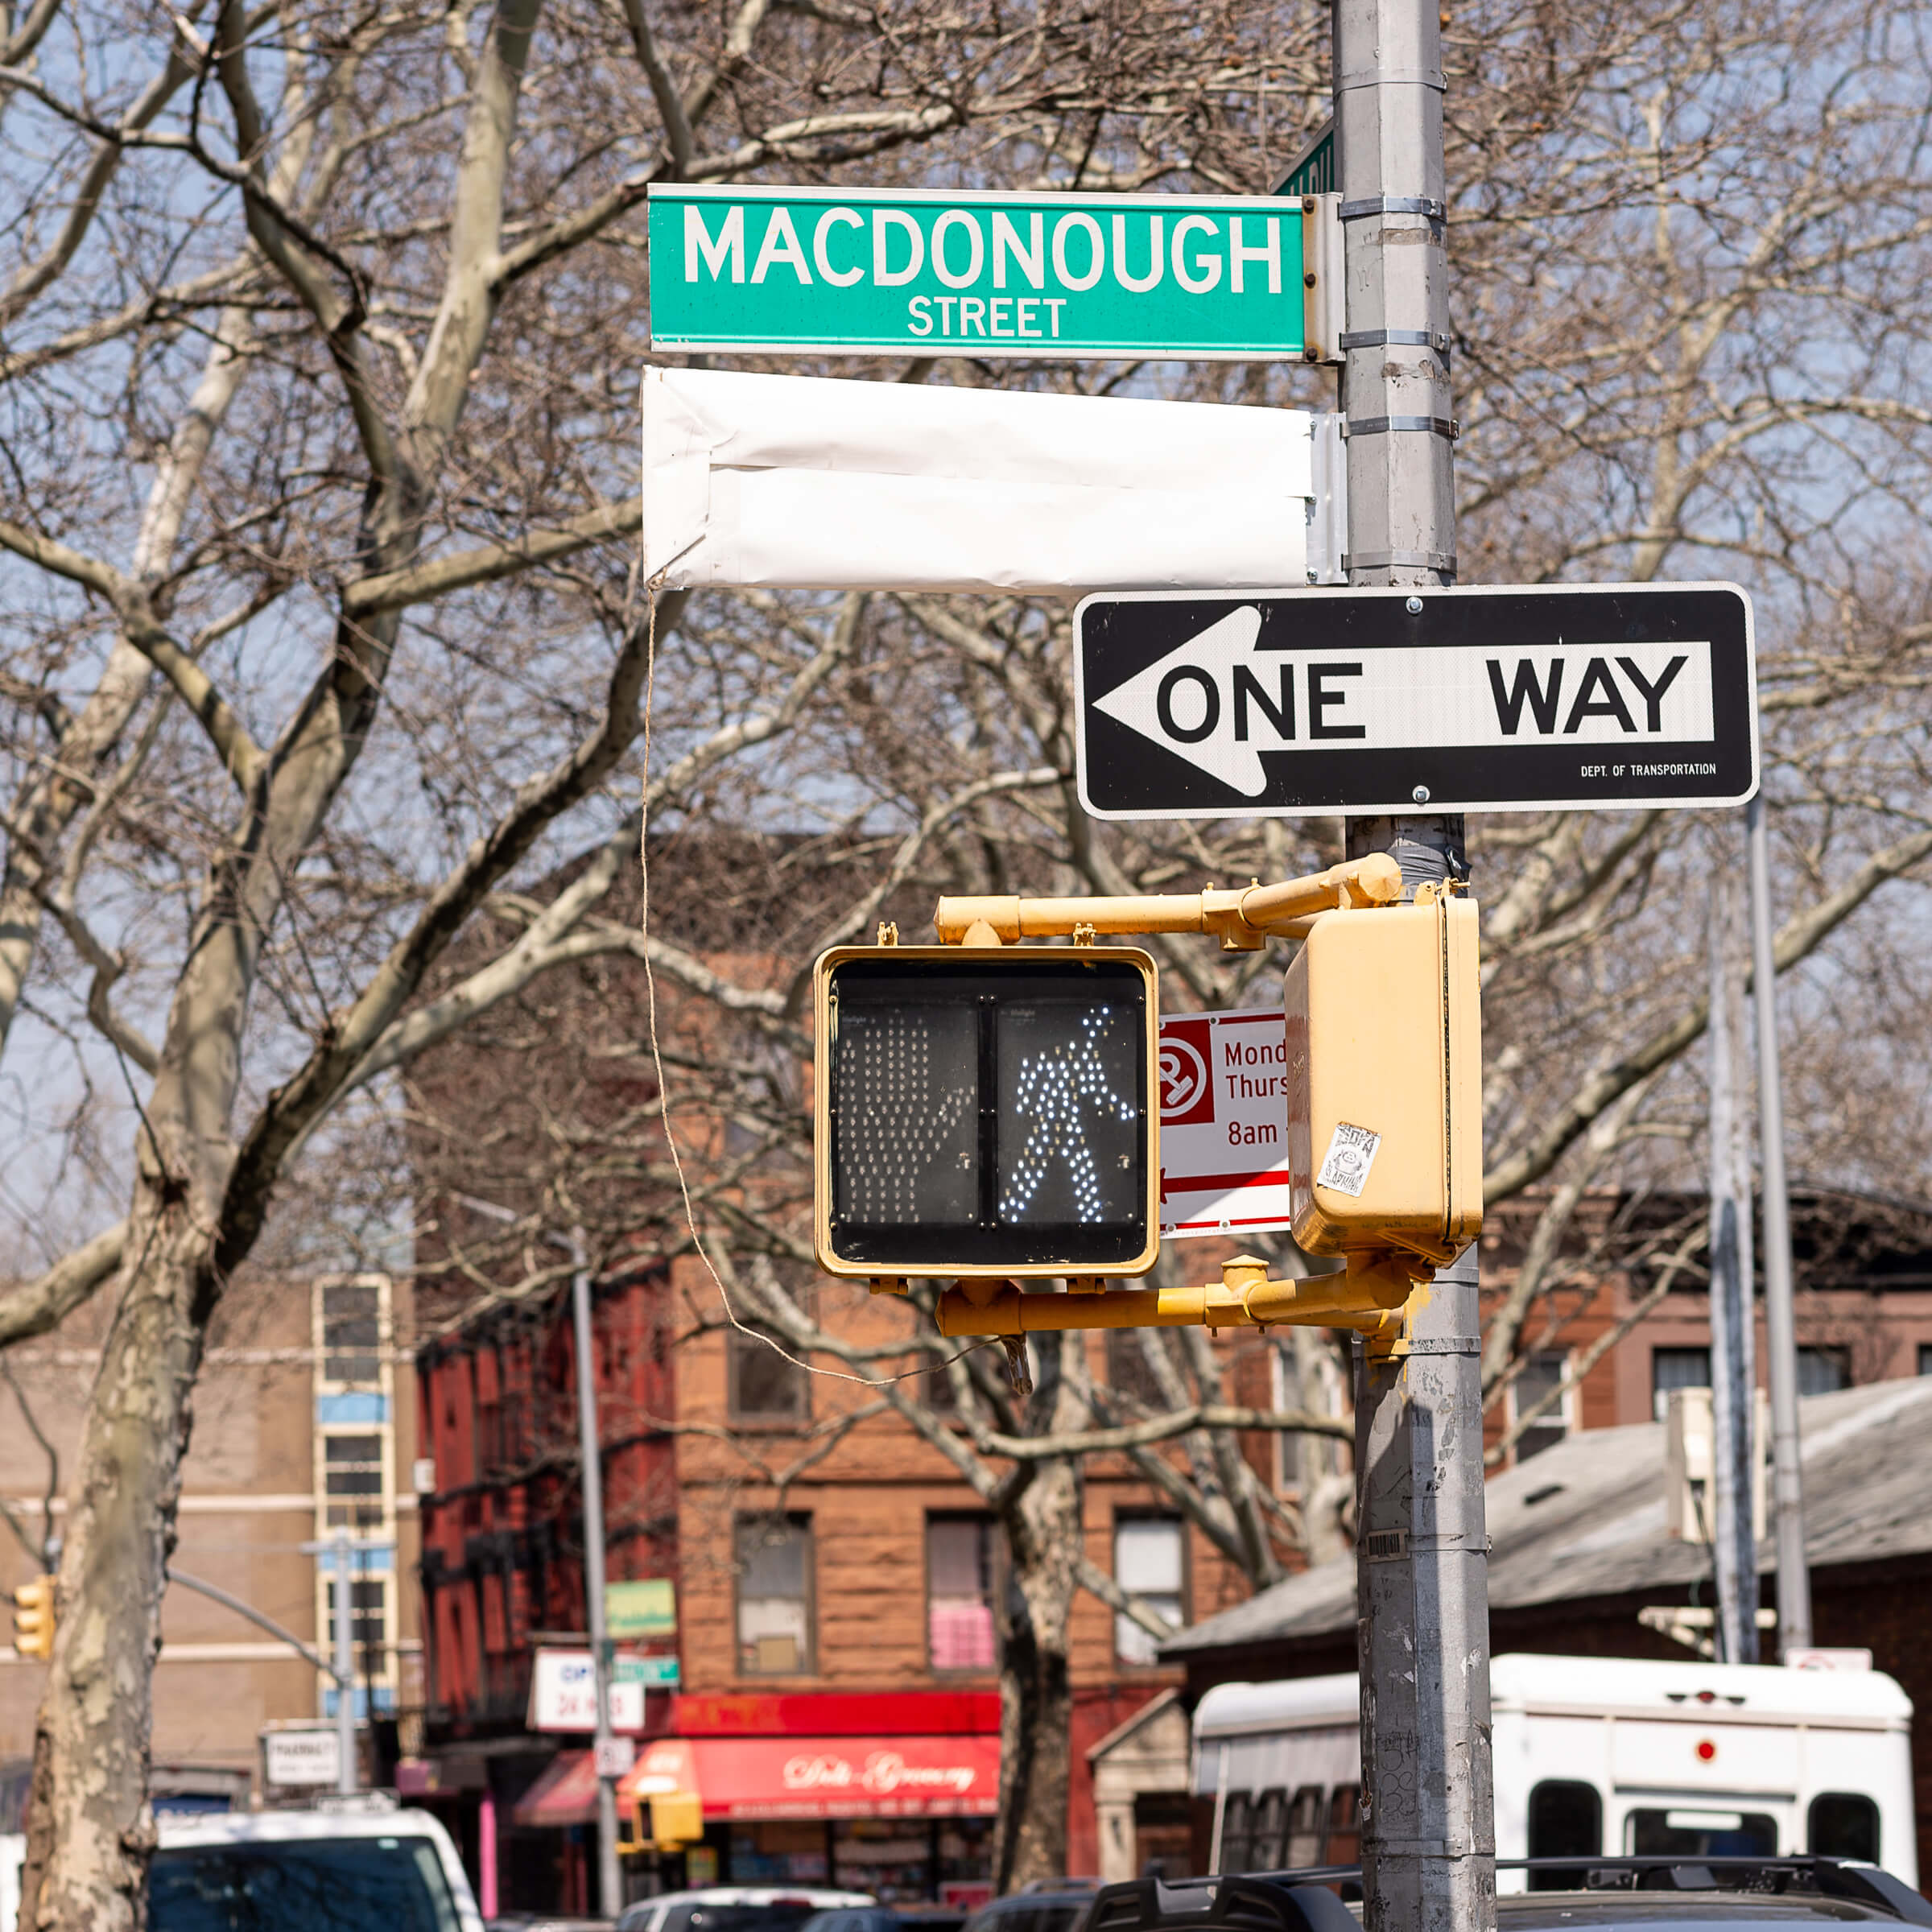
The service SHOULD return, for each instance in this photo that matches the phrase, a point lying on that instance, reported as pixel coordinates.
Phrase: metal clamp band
(1392, 77)
(1399, 560)
(1394, 205)
(1445, 1344)
(1385, 426)
(1396, 338)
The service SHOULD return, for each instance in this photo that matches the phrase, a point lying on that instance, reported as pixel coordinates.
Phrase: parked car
(1645, 1894)
(543, 1921)
(306, 1871)
(886, 1919)
(736, 1908)
(13, 1856)
(1045, 1905)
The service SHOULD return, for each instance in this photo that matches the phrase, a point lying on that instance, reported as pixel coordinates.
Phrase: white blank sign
(802, 482)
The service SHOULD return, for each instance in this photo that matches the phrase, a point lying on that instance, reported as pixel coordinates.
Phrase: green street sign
(1312, 171)
(659, 1673)
(835, 271)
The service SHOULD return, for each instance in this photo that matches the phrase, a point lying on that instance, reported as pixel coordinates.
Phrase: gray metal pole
(262, 1621)
(609, 1885)
(1780, 1331)
(1428, 1827)
(345, 1668)
(1733, 1342)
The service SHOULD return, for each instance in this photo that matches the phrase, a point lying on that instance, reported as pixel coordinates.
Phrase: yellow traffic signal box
(1384, 1082)
(987, 1110)
(675, 1819)
(34, 1617)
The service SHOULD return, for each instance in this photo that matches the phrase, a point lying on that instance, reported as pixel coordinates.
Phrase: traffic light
(667, 1821)
(677, 1820)
(987, 1110)
(34, 1617)
(1384, 1082)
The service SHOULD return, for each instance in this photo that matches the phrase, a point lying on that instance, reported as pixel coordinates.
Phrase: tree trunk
(1042, 1519)
(90, 1829)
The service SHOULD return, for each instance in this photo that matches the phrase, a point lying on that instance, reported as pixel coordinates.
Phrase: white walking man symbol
(1060, 1090)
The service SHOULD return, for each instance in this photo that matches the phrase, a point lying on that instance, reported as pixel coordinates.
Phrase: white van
(1594, 1756)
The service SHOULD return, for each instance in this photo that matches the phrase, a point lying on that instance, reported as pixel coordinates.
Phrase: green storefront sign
(833, 271)
(647, 1607)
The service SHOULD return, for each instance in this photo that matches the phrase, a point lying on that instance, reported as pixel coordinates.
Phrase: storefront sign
(646, 1607)
(301, 1759)
(882, 1773)
(563, 1695)
(837, 1714)
(851, 1778)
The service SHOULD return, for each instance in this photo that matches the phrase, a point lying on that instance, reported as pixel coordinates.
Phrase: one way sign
(1276, 703)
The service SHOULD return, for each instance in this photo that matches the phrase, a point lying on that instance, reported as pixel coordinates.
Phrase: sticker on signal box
(1350, 1155)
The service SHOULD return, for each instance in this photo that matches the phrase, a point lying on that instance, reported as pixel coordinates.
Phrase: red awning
(751, 1777)
(566, 1793)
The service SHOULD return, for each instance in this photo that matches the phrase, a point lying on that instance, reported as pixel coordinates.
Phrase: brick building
(1862, 1269)
(834, 1585)
(303, 1425)
(833, 1572)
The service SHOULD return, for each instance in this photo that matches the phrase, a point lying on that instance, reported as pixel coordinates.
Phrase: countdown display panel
(987, 1114)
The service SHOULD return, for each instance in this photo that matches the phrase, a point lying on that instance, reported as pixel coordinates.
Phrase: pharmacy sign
(836, 271)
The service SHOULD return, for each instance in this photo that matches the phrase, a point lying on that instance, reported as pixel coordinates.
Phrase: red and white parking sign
(1224, 1123)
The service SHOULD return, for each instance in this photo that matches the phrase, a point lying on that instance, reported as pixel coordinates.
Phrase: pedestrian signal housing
(1384, 1082)
(987, 1111)
(667, 1821)
(34, 1617)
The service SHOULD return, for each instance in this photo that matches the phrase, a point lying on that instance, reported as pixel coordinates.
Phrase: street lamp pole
(345, 1671)
(1787, 1477)
(609, 1884)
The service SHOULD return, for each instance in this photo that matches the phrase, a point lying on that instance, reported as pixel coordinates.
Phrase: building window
(774, 1595)
(1150, 1558)
(354, 1490)
(1305, 1374)
(352, 1333)
(765, 1386)
(1540, 1376)
(1304, 1841)
(936, 1389)
(1344, 1846)
(1237, 1833)
(1129, 1373)
(958, 1592)
(354, 1465)
(1270, 1821)
(1672, 1368)
(1820, 1371)
(1925, 1358)
(368, 1619)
